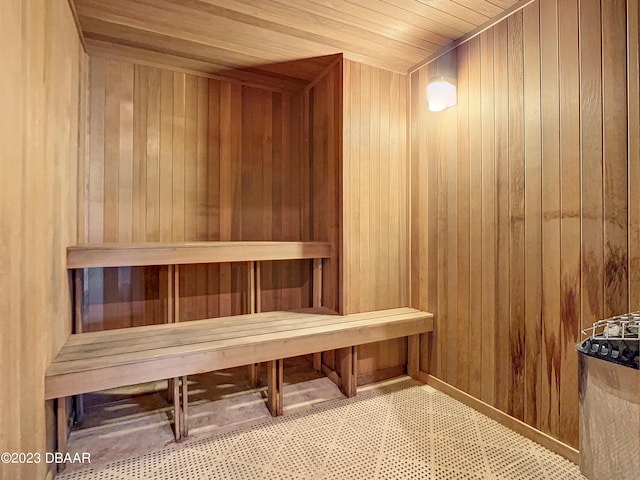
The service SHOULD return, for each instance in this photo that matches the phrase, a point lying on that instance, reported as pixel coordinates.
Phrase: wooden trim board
(499, 416)
(152, 253)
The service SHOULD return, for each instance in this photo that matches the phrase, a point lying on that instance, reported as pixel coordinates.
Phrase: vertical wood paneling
(501, 100)
(40, 86)
(174, 157)
(448, 148)
(592, 166)
(550, 110)
(489, 213)
(633, 103)
(376, 232)
(323, 132)
(532, 214)
(475, 220)
(548, 100)
(463, 237)
(423, 213)
(614, 141)
(570, 250)
(516, 217)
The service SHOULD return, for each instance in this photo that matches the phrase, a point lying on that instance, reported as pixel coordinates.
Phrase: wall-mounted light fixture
(443, 79)
(441, 93)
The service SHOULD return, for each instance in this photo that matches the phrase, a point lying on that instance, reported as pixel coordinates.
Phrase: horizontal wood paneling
(540, 151)
(176, 157)
(42, 71)
(375, 211)
(227, 34)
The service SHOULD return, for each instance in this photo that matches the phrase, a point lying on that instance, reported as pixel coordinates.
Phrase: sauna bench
(95, 361)
(173, 255)
(101, 360)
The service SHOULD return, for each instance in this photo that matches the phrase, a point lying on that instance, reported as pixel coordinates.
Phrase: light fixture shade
(441, 93)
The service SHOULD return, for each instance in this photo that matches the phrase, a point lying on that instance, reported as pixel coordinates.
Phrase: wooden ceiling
(215, 36)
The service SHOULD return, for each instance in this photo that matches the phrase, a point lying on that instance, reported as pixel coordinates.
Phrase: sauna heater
(609, 393)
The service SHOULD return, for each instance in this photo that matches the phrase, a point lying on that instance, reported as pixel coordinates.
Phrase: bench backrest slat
(156, 253)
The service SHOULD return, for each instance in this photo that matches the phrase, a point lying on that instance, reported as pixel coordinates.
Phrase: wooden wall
(178, 157)
(323, 155)
(524, 229)
(41, 60)
(375, 206)
(357, 148)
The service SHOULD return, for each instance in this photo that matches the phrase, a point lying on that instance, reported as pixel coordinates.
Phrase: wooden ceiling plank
(504, 4)
(464, 10)
(422, 39)
(116, 27)
(412, 9)
(420, 30)
(397, 13)
(228, 34)
(484, 7)
(288, 18)
(194, 67)
(271, 36)
(279, 18)
(123, 34)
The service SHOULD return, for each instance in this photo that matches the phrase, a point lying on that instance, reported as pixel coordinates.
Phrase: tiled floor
(396, 429)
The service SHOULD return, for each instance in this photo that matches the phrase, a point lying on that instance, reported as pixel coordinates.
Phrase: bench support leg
(413, 356)
(317, 361)
(347, 363)
(184, 419)
(418, 356)
(254, 374)
(61, 427)
(170, 390)
(78, 294)
(275, 383)
(177, 414)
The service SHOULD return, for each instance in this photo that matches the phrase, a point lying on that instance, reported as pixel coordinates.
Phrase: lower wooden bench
(96, 361)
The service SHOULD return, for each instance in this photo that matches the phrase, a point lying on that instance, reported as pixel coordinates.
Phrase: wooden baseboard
(508, 421)
(379, 375)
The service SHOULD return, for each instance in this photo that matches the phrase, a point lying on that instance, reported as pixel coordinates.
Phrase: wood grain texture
(556, 112)
(177, 157)
(375, 226)
(633, 106)
(614, 151)
(96, 361)
(324, 127)
(185, 253)
(532, 215)
(517, 274)
(251, 37)
(570, 263)
(489, 211)
(43, 78)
